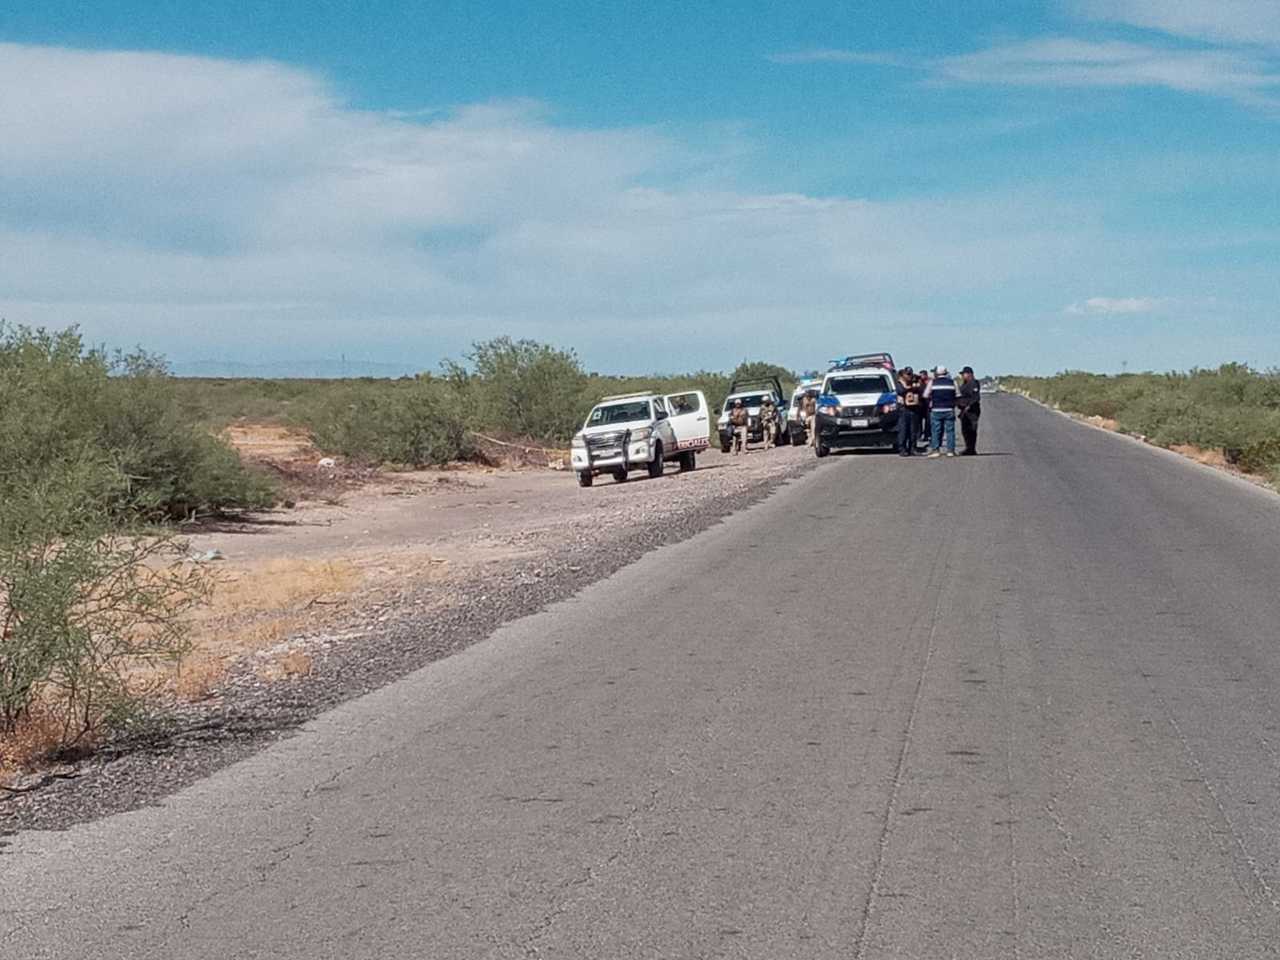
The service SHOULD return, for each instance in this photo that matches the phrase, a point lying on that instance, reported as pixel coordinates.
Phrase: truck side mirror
(662, 415)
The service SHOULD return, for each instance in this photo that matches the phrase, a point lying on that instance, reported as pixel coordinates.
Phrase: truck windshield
(850, 385)
(619, 412)
(747, 401)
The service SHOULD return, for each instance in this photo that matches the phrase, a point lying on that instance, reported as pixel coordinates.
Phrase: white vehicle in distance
(640, 430)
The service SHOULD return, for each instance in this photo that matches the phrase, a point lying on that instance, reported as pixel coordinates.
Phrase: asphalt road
(1019, 705)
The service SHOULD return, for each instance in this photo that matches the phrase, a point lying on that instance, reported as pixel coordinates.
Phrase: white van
(640, 430)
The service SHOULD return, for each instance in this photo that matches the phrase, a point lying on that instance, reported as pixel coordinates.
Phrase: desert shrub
(83, 601)
(61, 403)
(416, 423)
(1232, 408)
(1261, 456)
(520, 387)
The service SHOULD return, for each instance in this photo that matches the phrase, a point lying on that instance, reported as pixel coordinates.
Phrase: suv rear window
(867, 384)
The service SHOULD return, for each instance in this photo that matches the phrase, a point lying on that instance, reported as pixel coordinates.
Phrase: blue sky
(659, 185)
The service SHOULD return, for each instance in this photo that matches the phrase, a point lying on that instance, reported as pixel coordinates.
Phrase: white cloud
(1114, 306)
(1229, 21)
(212, 208)
(829, 55)
(1248, 75)
(1068, 62)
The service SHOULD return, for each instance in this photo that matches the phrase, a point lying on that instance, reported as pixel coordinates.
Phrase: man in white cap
(941, 393)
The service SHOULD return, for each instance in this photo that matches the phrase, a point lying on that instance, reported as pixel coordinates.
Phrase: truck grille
(597, 441)
(606, 446)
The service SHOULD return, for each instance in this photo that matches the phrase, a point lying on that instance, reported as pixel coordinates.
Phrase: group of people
(930, 404)
(740, 420)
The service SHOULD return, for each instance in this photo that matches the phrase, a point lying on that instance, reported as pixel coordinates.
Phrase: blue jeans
(942, 425)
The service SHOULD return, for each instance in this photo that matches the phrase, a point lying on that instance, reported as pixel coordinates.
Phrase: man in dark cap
(969, 404)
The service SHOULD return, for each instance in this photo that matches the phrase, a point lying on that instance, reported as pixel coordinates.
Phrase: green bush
(521, 388)
(83, 602)
(410, 423)
(61, 403)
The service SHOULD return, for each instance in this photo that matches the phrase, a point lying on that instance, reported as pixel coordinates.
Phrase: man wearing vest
(941, 394)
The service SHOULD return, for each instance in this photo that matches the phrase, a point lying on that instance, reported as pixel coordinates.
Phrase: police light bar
(864, 360)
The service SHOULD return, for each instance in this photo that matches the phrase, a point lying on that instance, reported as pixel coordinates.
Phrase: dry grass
(39, 734)
(255, 609)
(1213, 458)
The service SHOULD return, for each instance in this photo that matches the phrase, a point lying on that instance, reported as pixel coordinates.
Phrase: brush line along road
(1020, 705)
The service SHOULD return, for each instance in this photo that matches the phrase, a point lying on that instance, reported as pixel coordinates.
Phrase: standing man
(768, 422)
(922, 416)
(941, 394)
(809, 406)
(908, 409)
(969, 403)
(738, 419)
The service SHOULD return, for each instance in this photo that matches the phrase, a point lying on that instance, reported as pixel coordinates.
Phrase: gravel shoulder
(444, 559)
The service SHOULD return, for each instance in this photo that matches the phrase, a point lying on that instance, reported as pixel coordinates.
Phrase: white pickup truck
(640, 430)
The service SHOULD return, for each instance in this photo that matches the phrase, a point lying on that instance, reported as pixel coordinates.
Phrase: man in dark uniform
(908, 410)
(969, 404)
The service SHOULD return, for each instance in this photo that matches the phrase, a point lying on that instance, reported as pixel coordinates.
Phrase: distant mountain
(294, 369)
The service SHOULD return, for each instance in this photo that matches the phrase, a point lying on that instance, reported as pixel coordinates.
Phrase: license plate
(858, 423)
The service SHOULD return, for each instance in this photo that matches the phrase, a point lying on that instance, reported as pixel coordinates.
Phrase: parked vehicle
(640, 431)
(858, 405)
(797, 431)
(752, 393)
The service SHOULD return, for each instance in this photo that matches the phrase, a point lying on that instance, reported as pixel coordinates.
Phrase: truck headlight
(641, 433)
(889, 407)
(579, 442)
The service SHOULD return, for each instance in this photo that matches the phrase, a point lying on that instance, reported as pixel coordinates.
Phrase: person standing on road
(969, 403)
(922, 415)
(809, 407)
(738, 419)
(768, 422)
(941, 394)
(908, 405)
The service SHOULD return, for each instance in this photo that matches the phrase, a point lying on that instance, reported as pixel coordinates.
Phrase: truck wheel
(725, 447)
(620, 475)
(821, 449)
(687, 461)
(584, 478)
(657, 463)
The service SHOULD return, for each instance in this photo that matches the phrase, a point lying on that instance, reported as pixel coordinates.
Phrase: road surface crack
(941, 562)
(589, 874)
